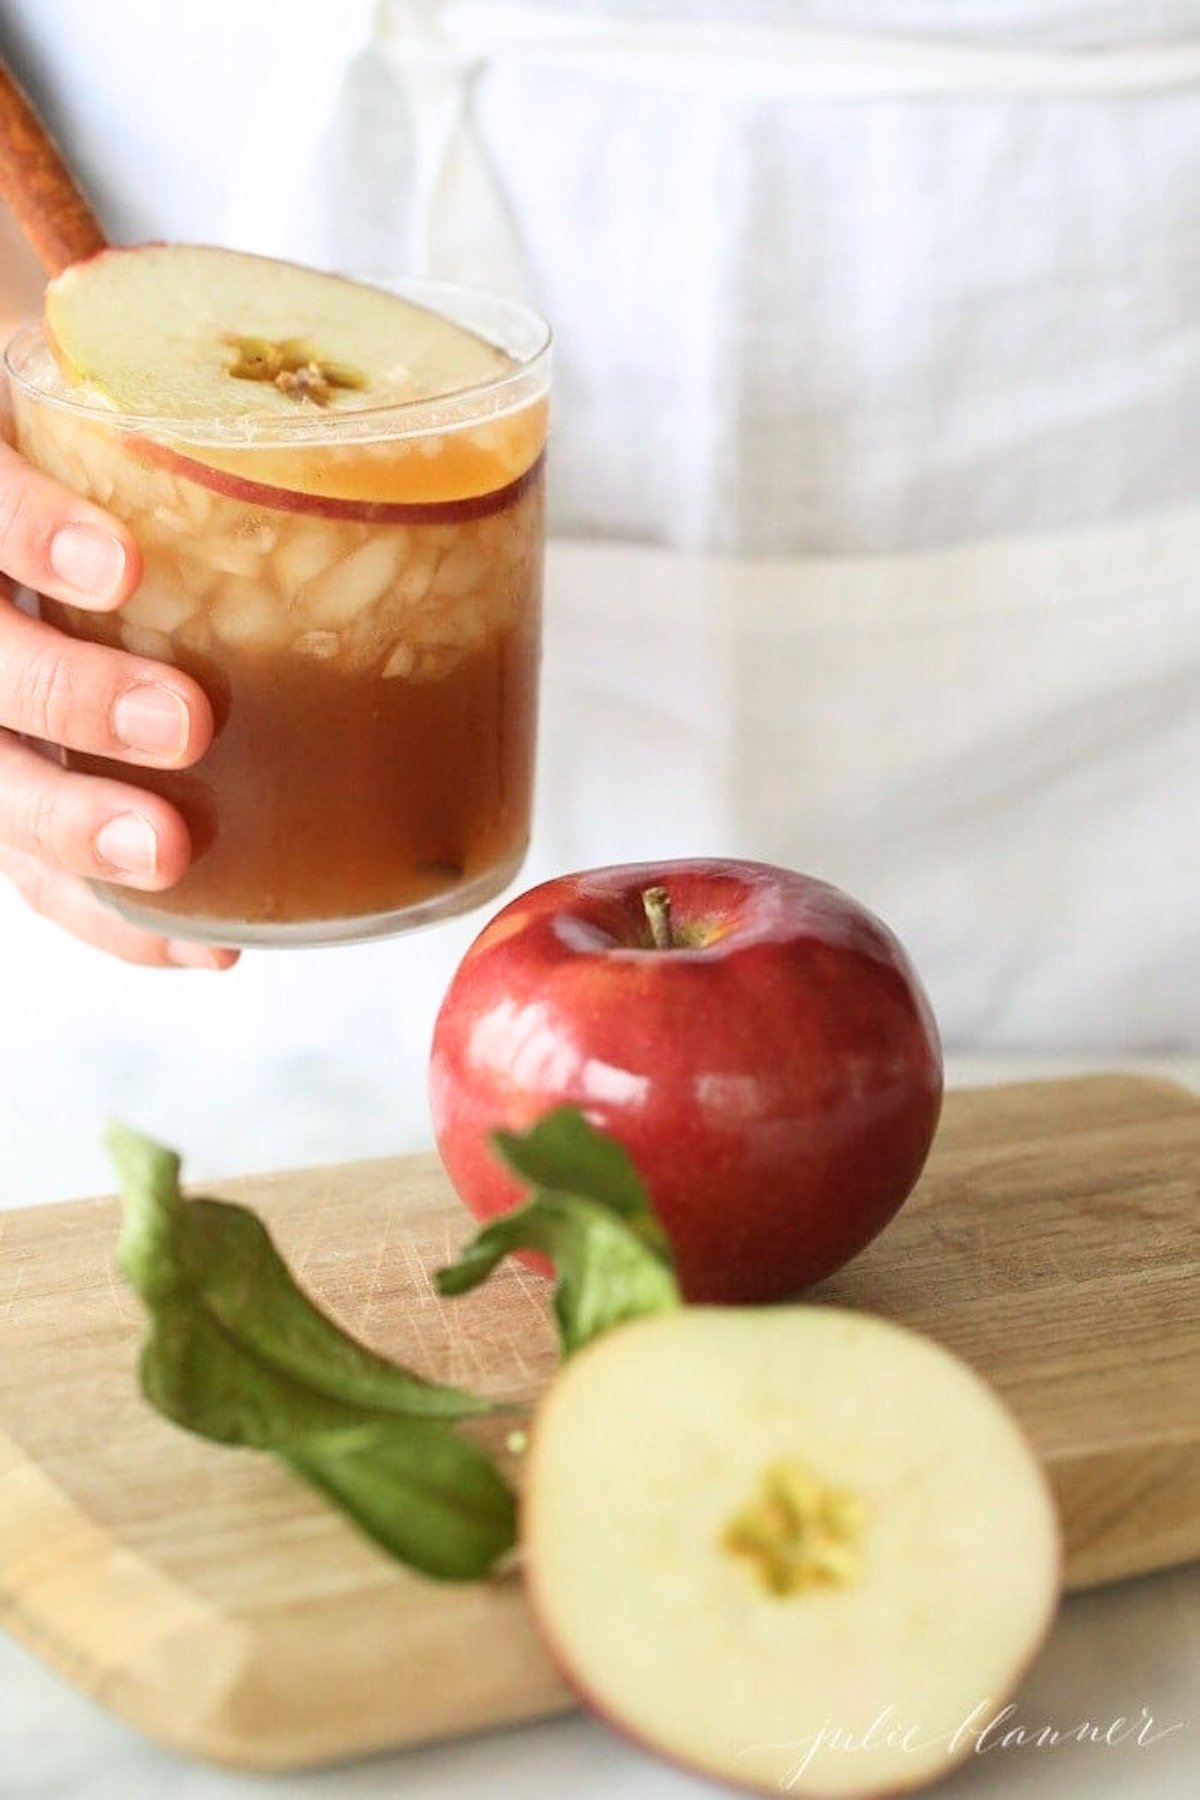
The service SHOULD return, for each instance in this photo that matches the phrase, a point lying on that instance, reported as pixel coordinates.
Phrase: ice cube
(248, 616)
(321, 644)
(142, 641)
(158, 604)
(141, 487)
(184, 514)
(106, 468)
(234, 553)
(195, 576)
(436, 661)
(100, 486)
(462, 570)
(356, 582)
(196, 635)
(193, 502)
(416, 577)
(401, 662)
(305, 549)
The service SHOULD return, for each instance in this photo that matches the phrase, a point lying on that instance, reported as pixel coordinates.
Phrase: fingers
(60, 545)
(87, 825)
(64, 900)
(89, 697)
(56, 827)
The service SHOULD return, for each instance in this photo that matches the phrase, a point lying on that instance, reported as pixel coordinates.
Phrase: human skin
(57, 829)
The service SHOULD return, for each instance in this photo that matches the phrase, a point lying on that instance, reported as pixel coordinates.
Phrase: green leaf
(223, 1257)
(605, 1274)
(249, 1290)
(590, 1215)
(199, 1377)
(149, 1177)
(238, 1353)
(427, 1496)
(564, 1152)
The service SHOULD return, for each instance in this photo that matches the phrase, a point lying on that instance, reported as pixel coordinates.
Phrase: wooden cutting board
(213, 1601)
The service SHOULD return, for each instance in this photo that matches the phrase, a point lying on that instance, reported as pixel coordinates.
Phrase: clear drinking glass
(359, 595)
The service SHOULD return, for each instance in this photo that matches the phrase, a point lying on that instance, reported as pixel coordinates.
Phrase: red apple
(771, 1064)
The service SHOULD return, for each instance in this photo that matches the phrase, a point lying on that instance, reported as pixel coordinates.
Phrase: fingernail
(151, 718)
(86, 558)
(127, 842)
(194, 956)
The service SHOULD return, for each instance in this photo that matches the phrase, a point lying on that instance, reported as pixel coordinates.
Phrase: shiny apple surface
(775, 1073)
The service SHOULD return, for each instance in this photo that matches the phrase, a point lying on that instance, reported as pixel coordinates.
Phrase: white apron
(879, 373)
(899, 338)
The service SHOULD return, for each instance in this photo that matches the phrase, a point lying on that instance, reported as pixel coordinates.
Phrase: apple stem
(657, 904)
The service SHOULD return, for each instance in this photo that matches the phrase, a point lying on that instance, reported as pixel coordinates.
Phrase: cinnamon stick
(38, 187)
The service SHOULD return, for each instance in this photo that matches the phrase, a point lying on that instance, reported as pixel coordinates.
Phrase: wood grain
(213, 1601)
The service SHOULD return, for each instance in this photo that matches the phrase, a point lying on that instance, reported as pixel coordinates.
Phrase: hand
(58, 828)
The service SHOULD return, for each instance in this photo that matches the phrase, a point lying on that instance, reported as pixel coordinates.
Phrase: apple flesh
(188, 331)
(775, 1074)
(801, 1550)
(201, 338)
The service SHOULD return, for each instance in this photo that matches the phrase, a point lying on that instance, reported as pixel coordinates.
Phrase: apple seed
(799, 1533)
(293, 365)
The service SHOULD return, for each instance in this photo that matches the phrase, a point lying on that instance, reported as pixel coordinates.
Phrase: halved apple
(201, 337)
(797, 1549)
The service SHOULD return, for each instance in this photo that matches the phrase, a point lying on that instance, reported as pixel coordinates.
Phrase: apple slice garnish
(480, 497)
(800, 1550)
(202, 337)
(186, 331)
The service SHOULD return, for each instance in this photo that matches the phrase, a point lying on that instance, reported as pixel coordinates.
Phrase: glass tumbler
(358, 593)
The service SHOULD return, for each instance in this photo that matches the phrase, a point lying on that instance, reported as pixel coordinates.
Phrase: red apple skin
(332, 506)
(776, 1078)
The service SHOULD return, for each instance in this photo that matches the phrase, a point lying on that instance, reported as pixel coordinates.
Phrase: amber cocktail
(357, 590)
